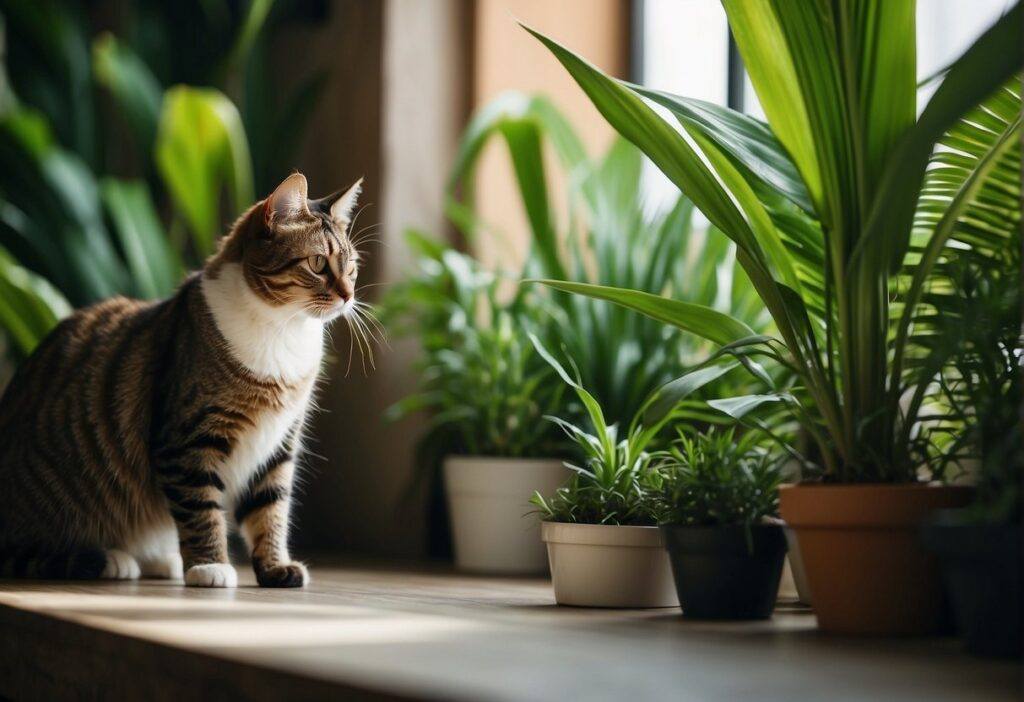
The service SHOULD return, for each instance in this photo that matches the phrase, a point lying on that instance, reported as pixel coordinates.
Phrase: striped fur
(137, 431)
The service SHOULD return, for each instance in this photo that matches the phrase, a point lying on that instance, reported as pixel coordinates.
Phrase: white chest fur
(275, 343)
(256, 445)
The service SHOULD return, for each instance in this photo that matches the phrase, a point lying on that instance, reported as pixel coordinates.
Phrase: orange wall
(506, 57)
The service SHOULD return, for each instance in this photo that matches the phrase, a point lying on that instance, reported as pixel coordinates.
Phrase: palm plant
(821, 203)
(610, 239)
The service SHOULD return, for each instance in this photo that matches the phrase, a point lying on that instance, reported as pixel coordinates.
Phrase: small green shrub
(716, 478)
(614, 477)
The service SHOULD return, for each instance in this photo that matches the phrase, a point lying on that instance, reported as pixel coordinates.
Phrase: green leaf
(137, 91)
(767, 58)
(29, 306)
(154, 265)
(697, 319)
(523, 122)
(748, 141)
(737, 407)
(632, 118)
(590, 403)
(989, 63)
(201, 149)
(669, 395)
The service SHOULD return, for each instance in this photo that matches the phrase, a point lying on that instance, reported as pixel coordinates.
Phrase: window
(684, 48)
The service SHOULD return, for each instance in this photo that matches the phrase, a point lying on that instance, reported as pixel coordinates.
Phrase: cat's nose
(345, 290)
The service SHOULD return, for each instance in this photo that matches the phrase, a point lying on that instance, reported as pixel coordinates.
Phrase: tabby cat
(137, 431)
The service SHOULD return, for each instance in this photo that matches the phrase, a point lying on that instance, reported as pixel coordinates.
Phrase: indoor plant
(979, 546)
(603, 234)
(487, 390)
(820, 202)
(468, 321)
(600, 529)
(717, 504)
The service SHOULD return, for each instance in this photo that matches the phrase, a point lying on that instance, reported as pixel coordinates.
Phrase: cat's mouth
(328, 313)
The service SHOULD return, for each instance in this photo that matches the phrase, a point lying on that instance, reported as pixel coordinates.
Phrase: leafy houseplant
(979, 546)
(487, 390)
(821, 203)
(484, 385)
(603, 545)
(606, 237)
(717, 504)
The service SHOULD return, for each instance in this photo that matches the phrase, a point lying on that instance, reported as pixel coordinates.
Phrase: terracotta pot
(867, 569)
(598, 565)
(495, 529)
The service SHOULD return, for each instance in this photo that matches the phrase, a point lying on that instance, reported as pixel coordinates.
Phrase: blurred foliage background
(131, 134)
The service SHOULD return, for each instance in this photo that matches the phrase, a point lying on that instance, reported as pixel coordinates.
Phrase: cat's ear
(342, 208)
(288, 199)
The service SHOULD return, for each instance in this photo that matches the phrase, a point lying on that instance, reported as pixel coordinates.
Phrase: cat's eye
(317, 263)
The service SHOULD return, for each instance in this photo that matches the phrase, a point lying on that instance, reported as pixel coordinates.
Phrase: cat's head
(296, 252)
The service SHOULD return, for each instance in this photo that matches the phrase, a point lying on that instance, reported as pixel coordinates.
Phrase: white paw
(166, 567)
(120, 566)
(212, 575)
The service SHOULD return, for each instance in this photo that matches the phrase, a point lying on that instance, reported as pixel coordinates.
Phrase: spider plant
(821, 200)
(607, 237)
(615, 475)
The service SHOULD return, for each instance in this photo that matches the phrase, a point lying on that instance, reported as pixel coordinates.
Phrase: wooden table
(371, 632)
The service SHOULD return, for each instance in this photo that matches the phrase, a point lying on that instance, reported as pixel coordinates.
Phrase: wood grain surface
(387, 632)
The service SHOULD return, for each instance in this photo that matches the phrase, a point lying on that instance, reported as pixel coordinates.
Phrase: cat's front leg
(195, 492)
(262, 516)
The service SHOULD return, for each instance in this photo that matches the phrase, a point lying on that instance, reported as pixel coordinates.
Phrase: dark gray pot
(719, 577)
(981, 566)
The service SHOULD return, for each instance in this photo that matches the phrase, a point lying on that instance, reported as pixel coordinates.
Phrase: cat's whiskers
(352, 224)
(376, 329)
(360, 325)
(355, 238)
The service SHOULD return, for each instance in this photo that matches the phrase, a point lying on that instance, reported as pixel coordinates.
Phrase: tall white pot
(597, 565)
(493, 530)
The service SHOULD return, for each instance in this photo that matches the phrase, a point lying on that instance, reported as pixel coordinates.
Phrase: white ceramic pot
(796, 565)
(493, 530)
(594, 565)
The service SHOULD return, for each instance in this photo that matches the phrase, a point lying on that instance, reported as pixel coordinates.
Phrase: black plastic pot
(981, 566)
(719, 574)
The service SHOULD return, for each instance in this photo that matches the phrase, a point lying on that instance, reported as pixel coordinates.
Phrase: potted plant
(608, 237)
(482, 381)
(604, 547)
(821, 203)
(488, 391)
(717, 504)
(980, 546)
